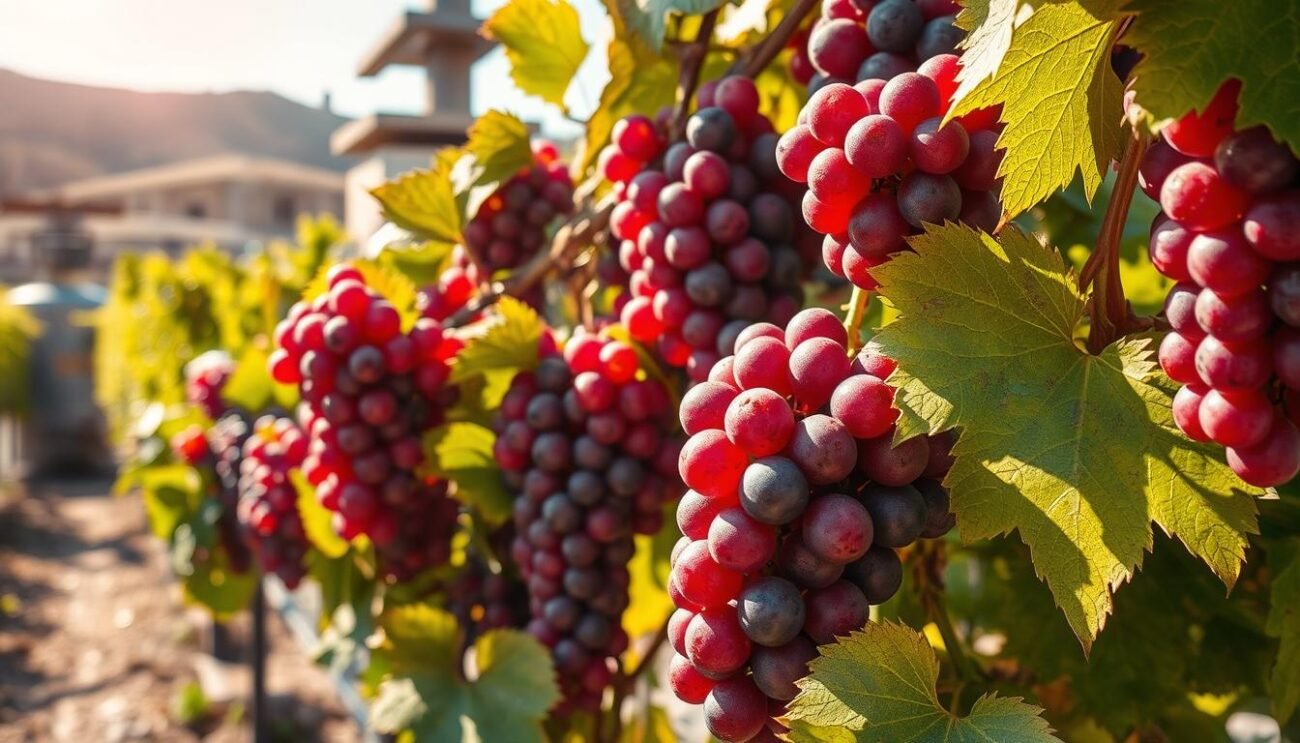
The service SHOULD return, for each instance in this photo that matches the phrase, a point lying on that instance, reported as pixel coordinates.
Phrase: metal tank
(64, 431)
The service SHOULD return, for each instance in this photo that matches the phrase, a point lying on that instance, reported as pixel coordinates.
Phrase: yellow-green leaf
(317, 520)
(1189, 47)
(507, 341)
(1079, 453)
(1060, 100)
(424, 202)
(543, 43)
(497, 149)
(462, 452)
(878, 686)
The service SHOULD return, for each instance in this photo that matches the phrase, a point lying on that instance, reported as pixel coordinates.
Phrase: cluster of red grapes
(798, 500)
(369, 392)
(510, 226)
(856, 40)
(879, 164)
(205, 377)
(584, 444)
(708, 232)
(1229, 234)
(482, 600)
(268, 501)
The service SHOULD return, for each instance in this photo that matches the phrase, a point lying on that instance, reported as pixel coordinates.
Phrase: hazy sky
(299, 48)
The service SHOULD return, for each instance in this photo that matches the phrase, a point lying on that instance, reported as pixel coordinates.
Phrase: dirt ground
(95, 644)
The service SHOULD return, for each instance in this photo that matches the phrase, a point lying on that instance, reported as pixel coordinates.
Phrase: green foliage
(499, 347)
(423, 202)
(1061, 102)
(543, 43)
(1284, 623)
(462, 452)
(1190, 47)
(649, 18)
(878, 685)
(426, 693)
(1078, 453)
(17, 331)
(317, 520)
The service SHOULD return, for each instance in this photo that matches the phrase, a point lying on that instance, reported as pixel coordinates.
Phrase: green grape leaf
(507, 341)
(878, 684)
(251, 386)
(649, 18)
(648, 602)
(462, 452)
(171, 494)
(317, 520)
(651, 727)
(422, 263)
(543, 43)
(1079, 453)
(1060, 102)
(508, 699)
(497, 149)
(988, 25)
(640, 80)
(1189, 47)
(424, 201)
(1284, 623)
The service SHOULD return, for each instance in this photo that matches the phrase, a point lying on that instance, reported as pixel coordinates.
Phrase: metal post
(257, 706)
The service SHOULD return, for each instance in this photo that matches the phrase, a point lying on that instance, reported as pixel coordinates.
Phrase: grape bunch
(879, 163)
(510, 226)
(369, 392)
(205, 377)
(1229, 234)
(215, 452)
(707, 232)
(268, 502)
(584, 444)
(482, 600)
(798, 502)
(857, 40)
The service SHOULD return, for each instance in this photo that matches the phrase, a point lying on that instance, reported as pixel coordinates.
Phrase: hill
(52, 132)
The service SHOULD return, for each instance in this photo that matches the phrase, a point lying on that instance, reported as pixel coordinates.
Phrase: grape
(1272, 226)
(1235, 418)
(1256, 162)
(774, 490)
(735, 710)
(876, 227)
(939, 37)
(909, 99)
(776, 669)
(939, 149)
(1245, 317)
(979, 171)
(864, 404)
(677, 624)
(705, 406)
(1286, 357)
(894, 25)
(939, 519)
(1196, 196)
(1284, 294)
(1198, 135)
(823, 448)
(1273, 462)
(1224, 261)
(832, 112)
(771, 611)
(706, 174)
(795, 152)
(898, 514)
(802, 566)
(1187, 411)
(739, 542)
(688, 684)
(1180, 308)
(834, 181)
(1177, 356)
(701, 580)
(1225, 365)
(816, 367)
(879, 574)
(1158, 162)
(835, 611)
(837, 48)
(926, 198)
(715, 642)
(759, 421)
(837, 528)
(1169, 246)
(762, 362)
(711, 464)
(814, 322)
(892, 465)
(711, 129)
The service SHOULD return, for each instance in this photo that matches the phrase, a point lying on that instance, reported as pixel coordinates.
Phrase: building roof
(415, 35)
(220, 168)
(379, 130)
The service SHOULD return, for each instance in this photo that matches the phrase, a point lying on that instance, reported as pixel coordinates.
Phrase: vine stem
(1110, 313)
(624, 682)
(764, 52)
(691, 57)
(857, 314)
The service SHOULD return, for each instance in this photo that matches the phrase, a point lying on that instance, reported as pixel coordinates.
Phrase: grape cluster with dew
(1229, 234)
(798, 502)
(268, 501)
(585, 443)
(370, 391)
(707, 229)
(879, 163)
